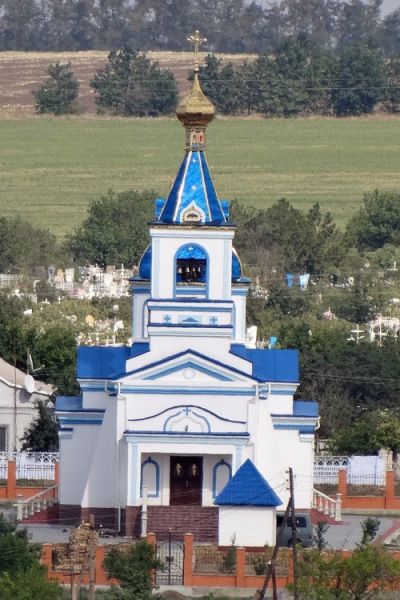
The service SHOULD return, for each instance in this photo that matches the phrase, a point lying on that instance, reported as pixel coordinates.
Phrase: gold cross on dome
(197, 41)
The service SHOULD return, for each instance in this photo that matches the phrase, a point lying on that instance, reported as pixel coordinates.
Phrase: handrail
(26, 507)
(327, 505)
(41, 493)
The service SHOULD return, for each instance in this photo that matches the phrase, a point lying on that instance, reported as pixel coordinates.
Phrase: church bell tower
(190, 283)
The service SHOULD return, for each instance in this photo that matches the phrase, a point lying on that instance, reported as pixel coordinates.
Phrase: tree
(115, 230)
(29, 585)
(377, 222)
(133, 570)
(132, 85)
(23, 246)
(364, 575)
(56, 349)
(294, 79)
(42, 433)
(224, 85)
(21, 575)
(59, 92)
(360, 79)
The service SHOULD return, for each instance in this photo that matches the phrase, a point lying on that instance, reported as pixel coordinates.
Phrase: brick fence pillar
(240, 567)
(100, 574)
(187, 558)
(151, 539)
(389, 489)
(12, 480)
(56, 472)
(342, 486)
(46, 555)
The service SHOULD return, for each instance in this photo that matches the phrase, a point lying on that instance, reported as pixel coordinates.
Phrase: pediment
(187, 418)
(188, 368)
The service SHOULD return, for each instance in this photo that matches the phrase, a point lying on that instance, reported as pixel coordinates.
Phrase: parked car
(304, 530)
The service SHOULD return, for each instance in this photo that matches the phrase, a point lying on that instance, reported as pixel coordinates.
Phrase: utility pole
(271, 575)
(294, 533)
(271, 564)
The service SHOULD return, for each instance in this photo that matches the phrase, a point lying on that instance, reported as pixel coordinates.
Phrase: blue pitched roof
(270, 365)
(104, 362)
(247, 488)
(193, 187)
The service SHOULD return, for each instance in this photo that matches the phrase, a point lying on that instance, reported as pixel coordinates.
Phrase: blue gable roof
(271, 365)
(247, 488)
(193, 186)
(104, 362)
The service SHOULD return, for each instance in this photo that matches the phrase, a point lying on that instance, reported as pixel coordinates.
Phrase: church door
(186, 480)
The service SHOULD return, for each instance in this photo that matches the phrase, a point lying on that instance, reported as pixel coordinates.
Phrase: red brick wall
(202, 521)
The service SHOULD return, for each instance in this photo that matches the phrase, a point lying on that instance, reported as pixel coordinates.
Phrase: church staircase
(326, 509)
(202, 521)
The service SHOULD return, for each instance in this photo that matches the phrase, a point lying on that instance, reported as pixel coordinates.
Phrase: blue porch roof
(247, 488)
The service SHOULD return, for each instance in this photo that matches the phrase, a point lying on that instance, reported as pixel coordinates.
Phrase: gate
(170, 554)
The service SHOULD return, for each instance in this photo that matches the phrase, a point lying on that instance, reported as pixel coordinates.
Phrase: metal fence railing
(210, 559)
(366, 485)
(257, 562)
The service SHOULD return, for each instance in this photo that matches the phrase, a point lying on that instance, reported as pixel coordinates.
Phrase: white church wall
(167, 345)
(144, 406)
(239, 331)
(297, 451)
(247, 525)
(204, 342)
(216, 243)
(280, 403)
(139, 316)
(98, 399)
(268, 456)
(101, 491)
(76, 452)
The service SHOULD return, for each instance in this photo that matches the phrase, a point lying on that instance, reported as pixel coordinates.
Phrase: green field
(50, 169)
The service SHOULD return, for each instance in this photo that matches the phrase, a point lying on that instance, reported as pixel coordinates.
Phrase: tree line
(298, 78)
(230, 25)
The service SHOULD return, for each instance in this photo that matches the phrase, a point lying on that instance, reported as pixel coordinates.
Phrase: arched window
(191, 264)
(222, 472)
(150, 478)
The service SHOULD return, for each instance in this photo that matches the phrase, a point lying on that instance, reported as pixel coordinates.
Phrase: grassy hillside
(50, 169)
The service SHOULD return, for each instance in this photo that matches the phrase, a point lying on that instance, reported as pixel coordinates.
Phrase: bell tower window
(191, 265)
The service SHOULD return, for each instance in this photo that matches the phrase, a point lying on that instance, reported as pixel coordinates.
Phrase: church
(192, 428)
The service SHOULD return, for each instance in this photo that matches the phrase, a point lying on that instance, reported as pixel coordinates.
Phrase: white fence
(361, 470)
(38, 466)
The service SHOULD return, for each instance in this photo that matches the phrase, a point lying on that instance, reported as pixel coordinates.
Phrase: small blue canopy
(247, 488)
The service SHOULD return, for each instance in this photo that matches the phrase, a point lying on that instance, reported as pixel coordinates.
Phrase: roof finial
(197, 41)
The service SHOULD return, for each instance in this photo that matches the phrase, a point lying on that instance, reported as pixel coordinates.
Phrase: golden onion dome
(195, 110)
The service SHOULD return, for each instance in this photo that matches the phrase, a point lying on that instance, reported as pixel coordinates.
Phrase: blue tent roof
(193, 188)
(270, 365)
(247, 488)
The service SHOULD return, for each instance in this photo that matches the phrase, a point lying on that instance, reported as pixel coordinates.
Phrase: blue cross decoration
(213, 320)
(167, 319)
(187, 410)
